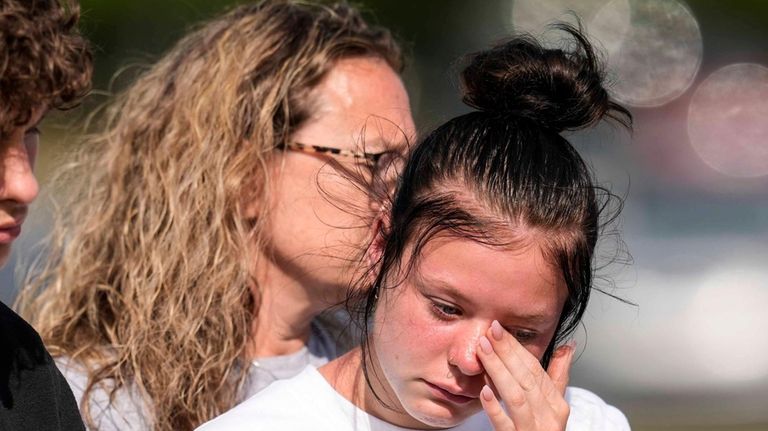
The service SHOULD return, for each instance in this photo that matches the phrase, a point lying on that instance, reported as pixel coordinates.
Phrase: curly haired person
(44, 64)
(212, 219)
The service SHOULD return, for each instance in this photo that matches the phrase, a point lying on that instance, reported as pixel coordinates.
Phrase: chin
(438, 415)
(434, 421)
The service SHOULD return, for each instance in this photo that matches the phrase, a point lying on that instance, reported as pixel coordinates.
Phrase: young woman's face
(426, 330)
(318, 216)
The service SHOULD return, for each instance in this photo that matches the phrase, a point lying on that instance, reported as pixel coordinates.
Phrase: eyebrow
(441, 284)
(451, 290)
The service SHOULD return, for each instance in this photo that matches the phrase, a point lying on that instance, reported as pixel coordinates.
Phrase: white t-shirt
(128, 410)
(309, 402)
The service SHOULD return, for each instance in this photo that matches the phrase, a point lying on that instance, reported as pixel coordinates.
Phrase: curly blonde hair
(151, 261)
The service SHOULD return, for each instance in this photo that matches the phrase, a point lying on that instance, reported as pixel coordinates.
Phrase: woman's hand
(534, 398)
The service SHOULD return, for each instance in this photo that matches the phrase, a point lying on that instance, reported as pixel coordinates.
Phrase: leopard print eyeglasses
(297, 146)
(383, 166)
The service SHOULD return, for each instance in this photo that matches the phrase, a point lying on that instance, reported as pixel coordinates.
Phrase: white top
(309, 402)
(128, 411)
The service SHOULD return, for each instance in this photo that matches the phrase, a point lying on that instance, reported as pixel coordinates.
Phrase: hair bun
(559, 90)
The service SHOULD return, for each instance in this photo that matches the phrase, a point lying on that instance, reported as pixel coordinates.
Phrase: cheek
(301, 203)
(326, 205)
(406, 332)
(342, 195)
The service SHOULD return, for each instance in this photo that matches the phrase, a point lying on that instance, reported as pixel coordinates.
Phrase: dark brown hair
(44, 61)
(503, 174)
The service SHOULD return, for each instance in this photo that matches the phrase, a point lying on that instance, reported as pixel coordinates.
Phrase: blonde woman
(215, 221)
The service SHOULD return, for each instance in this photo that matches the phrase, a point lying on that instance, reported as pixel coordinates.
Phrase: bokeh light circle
(533, 16)
(658, 55)
(654, 48)
(728, 120)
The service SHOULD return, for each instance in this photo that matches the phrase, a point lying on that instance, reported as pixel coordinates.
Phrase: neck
(345, 375)
(284, 311)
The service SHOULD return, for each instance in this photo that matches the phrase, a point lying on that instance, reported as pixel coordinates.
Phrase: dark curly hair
(44, 61)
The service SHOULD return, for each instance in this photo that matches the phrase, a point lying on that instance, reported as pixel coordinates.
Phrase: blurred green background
(692, 354)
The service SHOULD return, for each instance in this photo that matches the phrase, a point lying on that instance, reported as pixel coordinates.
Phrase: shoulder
(590, 412)
(121, 409)
(24, 354)
(276, 407)
(17, 335)
(32, 391)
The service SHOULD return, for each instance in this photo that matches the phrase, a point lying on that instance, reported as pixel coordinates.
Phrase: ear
(251, 205)
(258, 191)
(256, 195)
(379, 229)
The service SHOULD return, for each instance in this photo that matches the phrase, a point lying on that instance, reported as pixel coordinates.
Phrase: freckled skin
(317, 219)
(413, 345)
(315, 214)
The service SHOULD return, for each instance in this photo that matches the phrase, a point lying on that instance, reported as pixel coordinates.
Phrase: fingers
(533, 397)
(524, 366)
(559, 373)
(559, 369)
(498, 417)
(507, 370)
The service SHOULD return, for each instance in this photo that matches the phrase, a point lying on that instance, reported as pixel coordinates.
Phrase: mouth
(454, 396)
(10, 231)
(9, 234)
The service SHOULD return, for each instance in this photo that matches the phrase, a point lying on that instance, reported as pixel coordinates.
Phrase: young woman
(482, 268)
(207, 232)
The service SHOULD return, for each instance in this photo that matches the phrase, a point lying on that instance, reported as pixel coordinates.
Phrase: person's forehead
(361, 104)
(503, 281)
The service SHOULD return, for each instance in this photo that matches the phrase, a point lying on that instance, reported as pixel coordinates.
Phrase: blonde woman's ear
(251, 207)
(379, 227)
(254, 200)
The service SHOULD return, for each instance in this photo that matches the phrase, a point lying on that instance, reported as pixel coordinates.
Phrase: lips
(11, 228)
(9, 233)
(447, 393)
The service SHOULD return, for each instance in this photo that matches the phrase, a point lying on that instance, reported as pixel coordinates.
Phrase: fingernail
(571, 344)
(485, 345)
(486, 393)
(496, 330)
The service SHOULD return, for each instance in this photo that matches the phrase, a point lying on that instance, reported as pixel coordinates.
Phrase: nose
(463, 352)
(18, 179)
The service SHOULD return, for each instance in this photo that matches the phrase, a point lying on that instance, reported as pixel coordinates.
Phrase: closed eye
(523, 336)
(444, 311)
